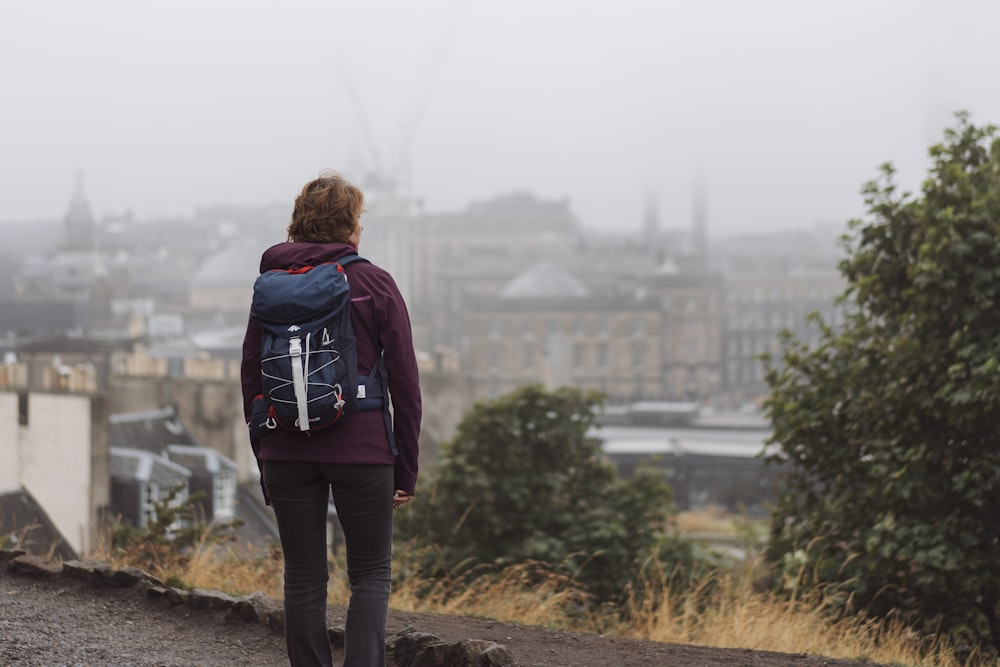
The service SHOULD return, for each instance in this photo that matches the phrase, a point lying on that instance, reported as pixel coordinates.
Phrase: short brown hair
(326, 211)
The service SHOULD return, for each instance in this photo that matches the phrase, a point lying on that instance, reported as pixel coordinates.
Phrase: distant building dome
(238, 265)
(224, 281)
(667, 268)
(543, 281)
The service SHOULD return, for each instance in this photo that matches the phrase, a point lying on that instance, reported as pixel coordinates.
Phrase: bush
(521, 481)
(888, 425)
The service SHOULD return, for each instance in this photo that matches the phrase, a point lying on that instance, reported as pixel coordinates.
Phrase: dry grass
(707, 520)
(210, 563)
(724, 611)
(235, 570)
(528, 593)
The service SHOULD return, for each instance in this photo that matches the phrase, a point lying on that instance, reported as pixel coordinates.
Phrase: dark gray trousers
(299, 494)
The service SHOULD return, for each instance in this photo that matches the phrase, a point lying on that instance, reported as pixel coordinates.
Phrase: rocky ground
(88, 615)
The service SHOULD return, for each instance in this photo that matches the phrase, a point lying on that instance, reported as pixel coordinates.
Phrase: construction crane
(387, 176)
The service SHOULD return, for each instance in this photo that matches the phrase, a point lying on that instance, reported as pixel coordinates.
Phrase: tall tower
(80, 226)
(699, 229)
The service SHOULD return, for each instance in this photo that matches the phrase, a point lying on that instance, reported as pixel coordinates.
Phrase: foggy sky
(781, 109)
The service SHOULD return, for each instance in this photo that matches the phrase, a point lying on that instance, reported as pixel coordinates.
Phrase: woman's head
(328, 210)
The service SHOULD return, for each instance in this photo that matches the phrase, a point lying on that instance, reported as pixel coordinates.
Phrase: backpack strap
(349, 259)
(376, 397)
(298, 381)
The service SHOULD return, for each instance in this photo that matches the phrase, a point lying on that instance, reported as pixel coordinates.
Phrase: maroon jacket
(381, 324)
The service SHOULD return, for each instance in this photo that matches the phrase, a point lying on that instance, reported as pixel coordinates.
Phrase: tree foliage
(522, 481)
(889, 425)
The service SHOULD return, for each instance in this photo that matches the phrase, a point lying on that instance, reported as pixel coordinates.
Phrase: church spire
(699, 227)
(80, 226)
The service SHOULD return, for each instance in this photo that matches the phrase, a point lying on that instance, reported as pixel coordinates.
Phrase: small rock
(177, 595)
(496, 655)
(87, 570)
(34, 566)
(255, 608)
(440, 654)
(407, 643)
(157, 592)
(465, 653)
(132, 576)
(205, 599)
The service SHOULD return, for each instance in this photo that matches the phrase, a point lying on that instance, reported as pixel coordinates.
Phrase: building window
(578, 355)
(224, 505)
(155, 494)
(148, 506)
(602, 355)
(638, 356)
(529, 356)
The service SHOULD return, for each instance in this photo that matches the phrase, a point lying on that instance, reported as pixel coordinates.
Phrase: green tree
(522, 481)
(889, 426)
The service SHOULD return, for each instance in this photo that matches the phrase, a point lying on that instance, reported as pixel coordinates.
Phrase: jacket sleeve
(252, 387)
(396, 338)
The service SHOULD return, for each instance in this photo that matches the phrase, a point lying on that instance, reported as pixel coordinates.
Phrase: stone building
(544, 326)
(693, 315)
(687, 317)
(773, 282)
(513, 290)
(759, 307)
(473, 253)
(56, 449)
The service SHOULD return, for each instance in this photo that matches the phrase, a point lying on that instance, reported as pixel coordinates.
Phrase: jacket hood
(296, 255)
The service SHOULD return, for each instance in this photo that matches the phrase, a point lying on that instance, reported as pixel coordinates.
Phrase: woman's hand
(400, 498)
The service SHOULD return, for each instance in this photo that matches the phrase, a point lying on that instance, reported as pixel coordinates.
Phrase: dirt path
(66, 621)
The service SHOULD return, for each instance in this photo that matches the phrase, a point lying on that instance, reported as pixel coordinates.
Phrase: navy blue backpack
(309, 364)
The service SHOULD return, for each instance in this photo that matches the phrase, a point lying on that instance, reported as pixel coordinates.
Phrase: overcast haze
(781, 108)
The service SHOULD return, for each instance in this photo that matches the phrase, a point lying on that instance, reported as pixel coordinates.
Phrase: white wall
(8, 442)
(55, 462)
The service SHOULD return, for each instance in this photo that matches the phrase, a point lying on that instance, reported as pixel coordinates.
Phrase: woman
(354, 456)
